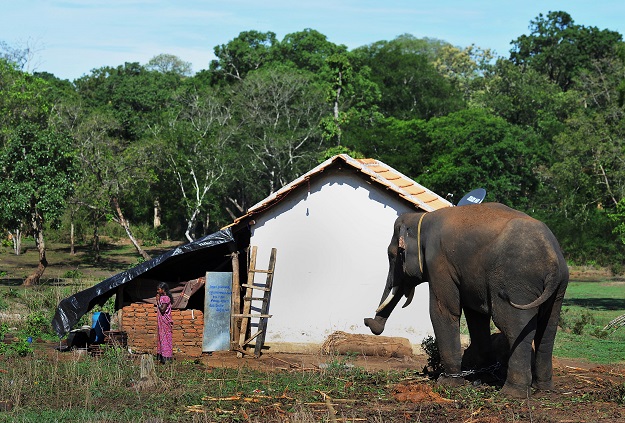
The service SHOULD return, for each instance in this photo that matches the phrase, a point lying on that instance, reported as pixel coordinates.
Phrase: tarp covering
(184, 263)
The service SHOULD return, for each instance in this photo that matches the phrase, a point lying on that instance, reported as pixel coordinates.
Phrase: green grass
(87, 389)
(587, 309)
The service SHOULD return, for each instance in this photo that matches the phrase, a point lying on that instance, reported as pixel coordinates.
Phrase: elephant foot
(376, 324)
(515, 391)
(450, 381)
(543, 385)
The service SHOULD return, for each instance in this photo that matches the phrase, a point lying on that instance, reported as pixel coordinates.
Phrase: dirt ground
(584, 392)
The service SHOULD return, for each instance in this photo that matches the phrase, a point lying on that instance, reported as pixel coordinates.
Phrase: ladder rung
(252, 315)
(262, 288)
(255, 299)
(260, 271)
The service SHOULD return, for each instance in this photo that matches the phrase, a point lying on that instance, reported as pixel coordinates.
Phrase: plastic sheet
(185, 262)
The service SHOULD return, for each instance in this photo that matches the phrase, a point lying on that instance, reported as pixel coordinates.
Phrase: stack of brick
(139, 323)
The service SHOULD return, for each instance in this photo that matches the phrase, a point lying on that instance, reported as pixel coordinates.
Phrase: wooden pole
(236, 301)
(120, 305)
(247, 305)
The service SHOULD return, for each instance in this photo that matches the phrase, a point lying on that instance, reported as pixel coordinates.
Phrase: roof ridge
(419, 196)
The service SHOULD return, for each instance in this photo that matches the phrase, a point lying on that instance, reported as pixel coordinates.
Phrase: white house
(331, 228)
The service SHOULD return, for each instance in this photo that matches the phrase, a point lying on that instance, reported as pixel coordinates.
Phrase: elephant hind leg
(543, 345)
(520, 332)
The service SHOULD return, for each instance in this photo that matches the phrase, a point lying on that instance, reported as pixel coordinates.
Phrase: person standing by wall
(164, 300)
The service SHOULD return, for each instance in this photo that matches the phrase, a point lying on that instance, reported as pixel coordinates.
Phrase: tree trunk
(71, 239)
(16, 239)
(37, 224)
(124, 224)
(157, 213)
(190, 224)
(96, 243)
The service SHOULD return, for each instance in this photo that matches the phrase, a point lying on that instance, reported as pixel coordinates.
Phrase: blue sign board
(217, 305)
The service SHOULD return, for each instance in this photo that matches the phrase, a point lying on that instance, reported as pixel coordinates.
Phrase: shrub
(19, 347)
(575, 323)
(73, 274)
(37, 324)
(430, 347)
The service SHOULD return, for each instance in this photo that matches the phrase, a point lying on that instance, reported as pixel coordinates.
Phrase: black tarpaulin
(185, 262)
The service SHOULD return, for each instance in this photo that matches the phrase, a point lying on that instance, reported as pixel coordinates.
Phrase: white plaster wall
(332, 263)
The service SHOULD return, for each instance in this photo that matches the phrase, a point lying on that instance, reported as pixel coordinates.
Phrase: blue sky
(72, 37)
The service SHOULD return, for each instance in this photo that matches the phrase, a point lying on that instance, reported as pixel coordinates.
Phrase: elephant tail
(552, 282)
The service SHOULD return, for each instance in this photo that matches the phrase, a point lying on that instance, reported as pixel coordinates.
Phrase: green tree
(249, 51)
(465, 68)
(35, 160)
(35, 180)
(560, 49)
(398, 143)
(112, 172)
(277, 113)
(306, 50)
(618, 216)
(166, 63)
(589, 168)
(410, 85)
(525, 97)
(472, 148)
(191, 142)
(135, 96)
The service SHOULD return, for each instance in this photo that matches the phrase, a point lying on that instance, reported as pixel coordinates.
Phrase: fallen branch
(232, 398)
(334, 401)
(578, 369)
(194, 409)
(253, 398)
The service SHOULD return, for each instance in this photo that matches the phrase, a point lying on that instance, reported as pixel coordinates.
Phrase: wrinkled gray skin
(486, 260)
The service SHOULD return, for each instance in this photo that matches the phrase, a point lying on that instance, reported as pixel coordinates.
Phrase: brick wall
(139, 322)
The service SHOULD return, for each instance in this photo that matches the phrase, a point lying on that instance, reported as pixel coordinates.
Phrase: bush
(20, 347)
(37, 324)
(576, 322)
(73, 274)
(430, 347)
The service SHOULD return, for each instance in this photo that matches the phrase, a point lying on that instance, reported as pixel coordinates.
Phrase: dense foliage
(155, 146)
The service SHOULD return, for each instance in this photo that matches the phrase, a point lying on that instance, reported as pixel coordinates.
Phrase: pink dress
(164, 345)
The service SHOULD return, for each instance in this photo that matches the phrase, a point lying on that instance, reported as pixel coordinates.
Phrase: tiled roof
(373, 170)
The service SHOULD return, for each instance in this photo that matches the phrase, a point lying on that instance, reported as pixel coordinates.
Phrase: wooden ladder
(261, 313)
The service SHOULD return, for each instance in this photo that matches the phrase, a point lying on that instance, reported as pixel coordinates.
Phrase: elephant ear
(403, 237)
(409, 251)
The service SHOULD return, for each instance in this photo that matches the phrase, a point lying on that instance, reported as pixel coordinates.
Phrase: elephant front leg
(480, 353)
(446, 326)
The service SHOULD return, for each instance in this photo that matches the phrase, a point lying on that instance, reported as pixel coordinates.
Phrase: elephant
(487, 261)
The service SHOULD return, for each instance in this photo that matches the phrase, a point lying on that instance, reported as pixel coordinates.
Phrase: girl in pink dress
(164, 299)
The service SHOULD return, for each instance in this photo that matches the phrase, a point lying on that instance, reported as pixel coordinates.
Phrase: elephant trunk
(389, 300)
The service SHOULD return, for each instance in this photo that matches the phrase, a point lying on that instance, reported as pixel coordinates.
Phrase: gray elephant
(486, 260)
